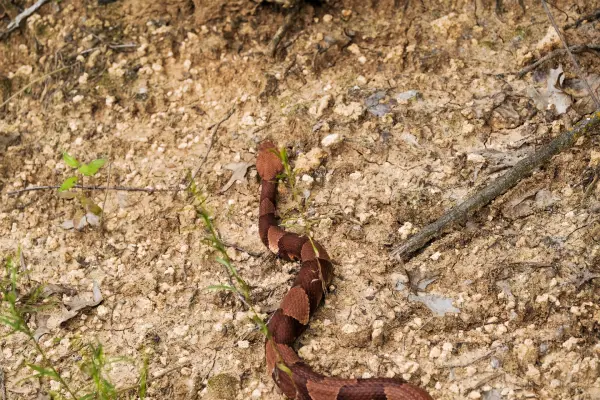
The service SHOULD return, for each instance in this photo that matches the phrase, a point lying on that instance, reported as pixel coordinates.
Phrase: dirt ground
(392, 112)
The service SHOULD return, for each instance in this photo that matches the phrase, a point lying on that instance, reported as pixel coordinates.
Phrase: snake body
(294, 377)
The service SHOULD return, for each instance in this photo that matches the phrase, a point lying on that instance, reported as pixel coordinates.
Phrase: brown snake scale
(296, 379)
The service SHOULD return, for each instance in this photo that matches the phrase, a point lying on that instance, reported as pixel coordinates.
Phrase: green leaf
(70, 160)
(284, 368)
(223, 261)
(143, 381)
(221, 287)
(68, 184)
(92, 168)
(49, 372)
(90, 205)
(11, 322)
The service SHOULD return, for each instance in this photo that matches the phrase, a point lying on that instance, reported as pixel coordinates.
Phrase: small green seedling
(16, 310)
(89, 170)
(236, 283)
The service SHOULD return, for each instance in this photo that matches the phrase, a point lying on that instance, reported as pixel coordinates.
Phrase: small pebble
(332, 140)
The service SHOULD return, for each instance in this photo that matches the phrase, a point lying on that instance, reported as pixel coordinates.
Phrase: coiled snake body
(295, 378)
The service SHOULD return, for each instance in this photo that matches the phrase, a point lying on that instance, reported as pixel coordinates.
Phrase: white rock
(83, 78)
(405, 230)
(435, 352)
(180, 330)
(307, 178)
(349, 328)
(322, 105)
(25, 70)
(355, 175)
(102, 311)
(332, 140)
(475, 158)
(248, 120)
(354, 49)
(353, 110)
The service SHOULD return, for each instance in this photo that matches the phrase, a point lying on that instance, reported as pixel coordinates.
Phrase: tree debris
(21, 17)
(499, 186)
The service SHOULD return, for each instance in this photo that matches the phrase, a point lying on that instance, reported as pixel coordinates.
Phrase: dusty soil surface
(427, 108)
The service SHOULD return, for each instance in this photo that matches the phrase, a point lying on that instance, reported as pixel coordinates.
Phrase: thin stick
(106, 191)
(30, 84)
(210, 145)
(26, 13)
(573, 59)
(94, 187)
(499, 186)
(589, 18)
(289, 20)
(555, 53)
(111, 46)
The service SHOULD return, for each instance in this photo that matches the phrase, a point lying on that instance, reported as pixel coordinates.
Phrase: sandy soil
(142, 83)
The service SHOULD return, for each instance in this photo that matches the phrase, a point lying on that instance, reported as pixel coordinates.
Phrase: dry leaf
(70, 309)
(239, 174)
(553, 95)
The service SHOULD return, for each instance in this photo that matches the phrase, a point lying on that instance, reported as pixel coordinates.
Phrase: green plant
(15, 312)
(236, 284)
(84, 170)
(288, 172)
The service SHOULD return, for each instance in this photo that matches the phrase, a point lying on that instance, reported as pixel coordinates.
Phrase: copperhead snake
(294, 377)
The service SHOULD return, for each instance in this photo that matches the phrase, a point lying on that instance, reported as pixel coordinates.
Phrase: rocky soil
(391, 111)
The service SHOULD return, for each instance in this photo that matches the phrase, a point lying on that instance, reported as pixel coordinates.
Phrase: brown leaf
(239, 174)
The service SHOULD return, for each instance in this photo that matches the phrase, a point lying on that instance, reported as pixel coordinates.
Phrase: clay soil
(425, 107)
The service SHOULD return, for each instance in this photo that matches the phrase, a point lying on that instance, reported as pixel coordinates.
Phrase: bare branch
(586, 18)
(94, 187)
(556, 53)
(30, 84)
(24, 15)
(499, 186)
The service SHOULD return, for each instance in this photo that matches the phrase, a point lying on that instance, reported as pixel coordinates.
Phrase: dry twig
(21, 17)
(30, 84)
(287, 24)
(556, 53)
(106, 191)
(586, 18)
(499, 186)
(210, 145)
(93, 187)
